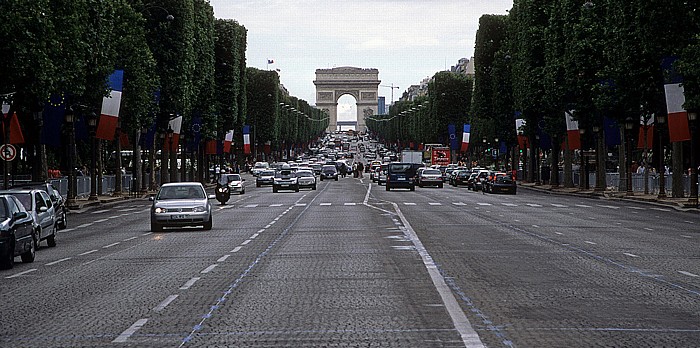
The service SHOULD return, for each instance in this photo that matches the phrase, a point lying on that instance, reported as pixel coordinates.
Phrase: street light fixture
(693, 117)
(629, 125)
(72, 185)
(583, 183)
(661, 120)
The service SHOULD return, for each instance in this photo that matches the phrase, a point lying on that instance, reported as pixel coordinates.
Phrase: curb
(604, 196)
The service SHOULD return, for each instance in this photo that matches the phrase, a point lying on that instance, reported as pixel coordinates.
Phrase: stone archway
(362, 84)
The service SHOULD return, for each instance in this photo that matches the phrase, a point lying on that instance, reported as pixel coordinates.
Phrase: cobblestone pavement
(344, 266)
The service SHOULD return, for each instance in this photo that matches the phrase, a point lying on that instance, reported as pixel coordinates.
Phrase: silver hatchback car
(181, 204)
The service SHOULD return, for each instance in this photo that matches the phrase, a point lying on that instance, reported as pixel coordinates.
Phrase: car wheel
(30, 254)
(8, 261)
(51, 240)
(156, 227)
(64, 221)
(208, 224)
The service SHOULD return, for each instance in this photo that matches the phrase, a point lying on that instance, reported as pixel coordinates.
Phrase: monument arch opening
(361, 84)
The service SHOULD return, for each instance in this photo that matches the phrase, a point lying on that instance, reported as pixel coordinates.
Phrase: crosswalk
(461, 204)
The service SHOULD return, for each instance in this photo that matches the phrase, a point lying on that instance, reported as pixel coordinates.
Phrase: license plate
(178, 217)
(285, 185)
(401, 179)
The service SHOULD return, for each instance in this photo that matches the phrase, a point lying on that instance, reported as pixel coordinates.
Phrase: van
(401, 175)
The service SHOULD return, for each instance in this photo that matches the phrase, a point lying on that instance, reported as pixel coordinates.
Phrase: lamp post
(496, 150)
(183, 158)
(600, 182)
(692, 117)
(483, 151)
(583, 182)
(142, 172)
(629, 125)
(172, 168)
(70, 120)
(163, 161)
(661, 120)
(92, 123)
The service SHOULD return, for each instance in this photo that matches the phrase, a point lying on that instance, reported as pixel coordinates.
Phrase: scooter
(223, 193)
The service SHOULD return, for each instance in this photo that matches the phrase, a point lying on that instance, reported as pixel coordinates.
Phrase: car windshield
(181, 192)
(3, 209)
(25, 199)
(304, 174)
(400, 167)
(504, 180)
(268, 173)
(431, 172)
(329, 169)
(284, 174)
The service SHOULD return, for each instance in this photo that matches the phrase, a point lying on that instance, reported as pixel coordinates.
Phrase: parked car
(235, 182)
(400, 175)
(381, 176)
(285, 179)
(181, 204)
(329, 172)
(59, 203)
(17, 232)
(430, 177)
(38, 205)
(306, 179)
(266, 177)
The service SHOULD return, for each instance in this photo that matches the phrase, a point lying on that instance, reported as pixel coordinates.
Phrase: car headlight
(199, 209)
(160, 210)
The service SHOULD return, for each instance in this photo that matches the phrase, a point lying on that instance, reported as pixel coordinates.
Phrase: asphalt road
(351, 265)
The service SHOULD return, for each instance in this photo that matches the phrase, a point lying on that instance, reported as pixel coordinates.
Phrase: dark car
(17, 233)
(40, 208)
(401, 175)
(504, 184)
(459, 177)
(329, 172)
(59, 203)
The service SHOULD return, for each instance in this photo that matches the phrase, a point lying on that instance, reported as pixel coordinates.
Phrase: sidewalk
(680, 204)
(82, 204)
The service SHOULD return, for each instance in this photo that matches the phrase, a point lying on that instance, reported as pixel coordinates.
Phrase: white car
(181, 204)
(235, 183)
(306, 178)
(259, 167)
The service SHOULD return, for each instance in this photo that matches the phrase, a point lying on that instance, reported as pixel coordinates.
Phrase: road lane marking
(535, 226)
(100, 211)
(85, 225)
(325, 204)
(165, 303)
(110, 245)
(534, 205)
(147, 233)
(251, 206)
(660, 209)
(407, 203)
(591, 243)
(583, 206)
(459, 318)
(126, 209)
(459, 203)
(638, 208)
(128, 239)
(223, 258)
(684, 236)
(688, 274)
(558, 205)
(435, 203)
(559, 233)
(73, 229)
(246, 242)
(261, 230)
(21, 273)
(236, 249)
(648, 229)
(88, 252)
(484, 204)
(130, 331)
(208, 269)
(300, 204)
(509, 204)
(254, 236)
(189, 283)
(630, 255)
(58, 261)
(608, 206)
(275, 205)
(689, 222)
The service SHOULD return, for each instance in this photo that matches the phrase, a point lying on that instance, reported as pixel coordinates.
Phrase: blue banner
(54, 113)
(612, 132)
(452, 130)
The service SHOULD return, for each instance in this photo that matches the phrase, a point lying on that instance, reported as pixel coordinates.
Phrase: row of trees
(597, 58)
(178, 60)
(425, 119)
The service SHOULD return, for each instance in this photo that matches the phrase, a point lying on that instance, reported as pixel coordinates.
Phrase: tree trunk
(532, 161)
(622, 170)
(100, 167)
(554, 167)
(118, 165)
(677, 168)
(601, 156)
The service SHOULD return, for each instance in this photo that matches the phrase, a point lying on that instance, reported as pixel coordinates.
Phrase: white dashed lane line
(189, 283)
(236, 249)
(591, 243)
(689, 274)
(223, 258)
(101, 220)
(130, 331)
(165, 303)
(275, 205)
(435, 203)
(21, 273)
(325, 204)
(88, 252)
(128, 239)
(110, 245)
(85, 225)
(100, 211)
(630, 255)
(246, 242)
(58, 261)
(208, 269)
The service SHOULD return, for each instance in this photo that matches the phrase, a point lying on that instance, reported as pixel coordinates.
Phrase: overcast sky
(407, 40)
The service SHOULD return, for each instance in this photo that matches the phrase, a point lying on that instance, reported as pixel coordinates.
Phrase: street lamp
(72, 184)
(92, 123)
(164, 177)
(600, 182)
(661, 120)
(583, 182)
(692, 117)
(629, 125)
(496, 150)
(172, 168)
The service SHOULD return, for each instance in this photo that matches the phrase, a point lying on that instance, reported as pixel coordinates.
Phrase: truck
(440, 155)
(409, 156)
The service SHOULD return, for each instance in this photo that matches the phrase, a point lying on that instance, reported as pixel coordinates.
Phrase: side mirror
(211, 197)
(43, 209)
(20, 215)
(152, 198)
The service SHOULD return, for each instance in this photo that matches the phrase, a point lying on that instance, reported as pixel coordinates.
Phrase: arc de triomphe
(363, 84)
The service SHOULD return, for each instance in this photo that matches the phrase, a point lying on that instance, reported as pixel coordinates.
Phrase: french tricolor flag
(646, 132)
(228, 139)
(678, 129)
(246, 140)
(465, 138)
(572, 131)
(176, 125)
(523, 143)
(109, 116)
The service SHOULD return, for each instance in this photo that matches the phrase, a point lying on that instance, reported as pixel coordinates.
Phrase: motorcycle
(223, 192)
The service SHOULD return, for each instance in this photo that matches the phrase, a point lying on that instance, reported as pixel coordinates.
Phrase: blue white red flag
(109, 116)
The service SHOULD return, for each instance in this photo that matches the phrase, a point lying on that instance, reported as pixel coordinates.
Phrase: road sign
(8, 152)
